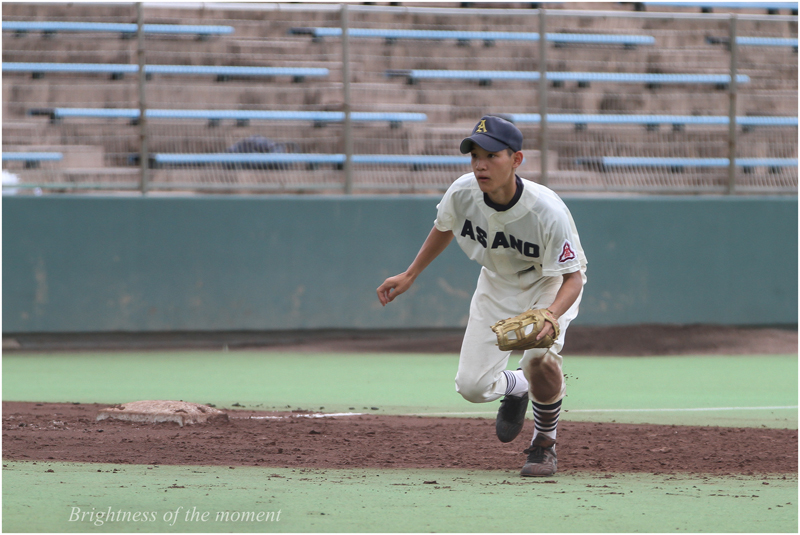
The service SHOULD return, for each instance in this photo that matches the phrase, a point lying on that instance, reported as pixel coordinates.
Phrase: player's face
(494, 172)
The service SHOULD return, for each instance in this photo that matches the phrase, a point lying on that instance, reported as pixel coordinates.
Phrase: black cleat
(511, 417)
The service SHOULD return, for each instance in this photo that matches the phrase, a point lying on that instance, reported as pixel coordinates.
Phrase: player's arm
(436, 242)
(571, 287)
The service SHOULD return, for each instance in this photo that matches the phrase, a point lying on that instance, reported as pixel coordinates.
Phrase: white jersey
(534, 232)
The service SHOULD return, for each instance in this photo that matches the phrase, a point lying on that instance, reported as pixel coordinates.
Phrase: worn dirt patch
(629, 340)
(70, 432)
(635, 340)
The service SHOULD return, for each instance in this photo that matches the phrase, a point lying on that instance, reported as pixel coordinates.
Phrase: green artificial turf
(67, 497)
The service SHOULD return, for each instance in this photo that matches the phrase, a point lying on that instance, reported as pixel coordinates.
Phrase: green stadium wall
(265, 263)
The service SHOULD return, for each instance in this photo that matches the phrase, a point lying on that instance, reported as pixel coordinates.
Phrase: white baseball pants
(480, 377)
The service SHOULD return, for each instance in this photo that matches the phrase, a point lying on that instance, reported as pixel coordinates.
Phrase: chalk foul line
(695, 409)
(478, 413)
(313, 415)
(691, 409)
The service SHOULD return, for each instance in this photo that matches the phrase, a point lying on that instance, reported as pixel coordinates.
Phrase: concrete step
(119, 141)
(442, 101)
(99, 48)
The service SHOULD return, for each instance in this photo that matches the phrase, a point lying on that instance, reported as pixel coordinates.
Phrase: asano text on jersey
(533, 232)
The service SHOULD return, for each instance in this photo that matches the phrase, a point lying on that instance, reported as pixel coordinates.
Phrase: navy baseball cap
(493, 134)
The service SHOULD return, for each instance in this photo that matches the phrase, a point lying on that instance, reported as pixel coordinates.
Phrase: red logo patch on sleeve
(566, 253)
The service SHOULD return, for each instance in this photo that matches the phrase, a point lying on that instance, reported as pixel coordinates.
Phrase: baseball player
(524, 237)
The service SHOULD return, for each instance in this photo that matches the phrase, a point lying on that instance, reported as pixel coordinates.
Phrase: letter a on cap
(481, 127)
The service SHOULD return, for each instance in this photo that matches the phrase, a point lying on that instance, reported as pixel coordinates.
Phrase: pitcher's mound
(152, 412)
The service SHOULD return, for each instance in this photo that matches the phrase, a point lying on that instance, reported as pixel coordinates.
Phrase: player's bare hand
(546, 330)
(394, 286)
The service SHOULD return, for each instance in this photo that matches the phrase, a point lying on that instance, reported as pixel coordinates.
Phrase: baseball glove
(525, 328)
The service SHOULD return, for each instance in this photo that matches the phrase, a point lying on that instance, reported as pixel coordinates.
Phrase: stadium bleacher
(32, 159)
(638, 51)
(488, 38)
(653, 121)
(53, 27)
(604, 163)
(755, 41)
(772, 8)
(242, 117)
(415, 162)
(583, 78)
(117, 71)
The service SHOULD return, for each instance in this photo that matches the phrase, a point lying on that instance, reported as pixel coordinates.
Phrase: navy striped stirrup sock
(545, 418)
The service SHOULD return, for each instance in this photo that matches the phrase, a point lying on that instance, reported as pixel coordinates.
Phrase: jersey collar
(504, 207)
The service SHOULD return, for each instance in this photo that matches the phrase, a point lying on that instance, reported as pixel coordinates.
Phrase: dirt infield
(70, 432)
